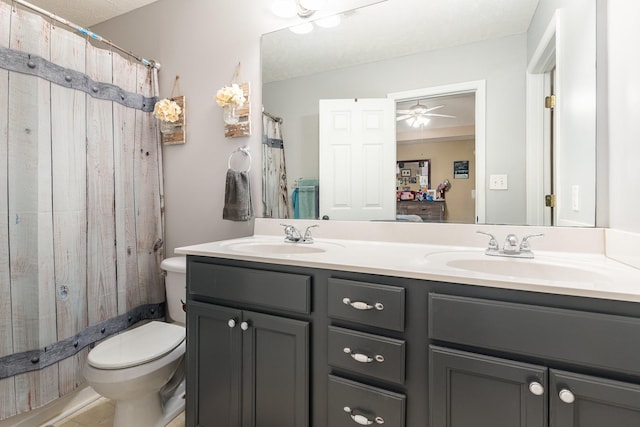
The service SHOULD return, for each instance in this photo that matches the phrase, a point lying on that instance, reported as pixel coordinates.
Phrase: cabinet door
(275, 371)
(467, 389)
(213, 363)
(584, 401)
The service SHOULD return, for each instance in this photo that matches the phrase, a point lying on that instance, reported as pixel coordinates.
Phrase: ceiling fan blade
(406, 116)
(439, 115)
(433, 108)
(403, 111)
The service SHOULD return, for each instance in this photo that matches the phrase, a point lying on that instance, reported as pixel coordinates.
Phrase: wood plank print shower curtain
(81, 235)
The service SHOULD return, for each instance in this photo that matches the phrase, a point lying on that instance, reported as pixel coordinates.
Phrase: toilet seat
(137, 346)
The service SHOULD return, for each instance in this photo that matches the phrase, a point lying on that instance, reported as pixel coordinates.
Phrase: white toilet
(142, 369)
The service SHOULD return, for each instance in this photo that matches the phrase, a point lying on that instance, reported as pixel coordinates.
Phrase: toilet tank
(175, 283)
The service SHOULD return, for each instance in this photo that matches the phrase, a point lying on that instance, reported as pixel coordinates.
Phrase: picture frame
(405, 172)
(413, 180)
(431, 194)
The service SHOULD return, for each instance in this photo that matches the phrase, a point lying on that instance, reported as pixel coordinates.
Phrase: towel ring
(243, 150)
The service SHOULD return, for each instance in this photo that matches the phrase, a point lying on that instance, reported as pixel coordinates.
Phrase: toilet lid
(137, 346)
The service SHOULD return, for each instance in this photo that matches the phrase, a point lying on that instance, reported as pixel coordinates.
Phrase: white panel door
(357, 159)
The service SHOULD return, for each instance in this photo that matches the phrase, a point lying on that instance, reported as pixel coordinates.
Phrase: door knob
(231, 323)
(244, 326)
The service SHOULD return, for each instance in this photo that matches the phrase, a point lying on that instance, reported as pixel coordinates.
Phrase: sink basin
(518, 268)
(280, 248)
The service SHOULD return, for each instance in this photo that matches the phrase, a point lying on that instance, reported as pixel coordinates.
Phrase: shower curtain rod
(149, 63)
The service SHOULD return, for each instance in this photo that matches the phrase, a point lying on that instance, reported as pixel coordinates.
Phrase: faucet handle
(291, 233)
(524, 245)
(493, 243)
(308, 238)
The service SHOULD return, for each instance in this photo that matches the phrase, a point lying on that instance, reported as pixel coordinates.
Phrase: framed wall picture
(461, 169)
(405, 172)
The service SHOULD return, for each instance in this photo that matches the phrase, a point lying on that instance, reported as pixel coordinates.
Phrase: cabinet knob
(231, 323)
(536, 388)
(359, 305)
(361, 419)
(566, 396)
(244, 326)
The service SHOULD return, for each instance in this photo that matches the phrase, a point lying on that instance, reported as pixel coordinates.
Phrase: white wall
(624, 114)
(501, 62)
(575, 86)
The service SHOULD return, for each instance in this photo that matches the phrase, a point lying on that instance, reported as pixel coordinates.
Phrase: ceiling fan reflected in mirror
(420, 115)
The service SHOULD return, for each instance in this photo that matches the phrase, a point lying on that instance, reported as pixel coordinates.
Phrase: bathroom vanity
(283, 339)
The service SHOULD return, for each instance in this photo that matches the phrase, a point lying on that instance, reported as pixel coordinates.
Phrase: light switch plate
(498, 182)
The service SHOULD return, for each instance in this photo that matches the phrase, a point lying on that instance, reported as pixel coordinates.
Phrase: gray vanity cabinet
(245, 368)
(468, 389)
(214, 367)
(473, 389)
(499, 391)
(273, 345)
(587, 401)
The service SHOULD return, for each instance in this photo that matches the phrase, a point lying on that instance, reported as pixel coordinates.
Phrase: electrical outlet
(498, 182)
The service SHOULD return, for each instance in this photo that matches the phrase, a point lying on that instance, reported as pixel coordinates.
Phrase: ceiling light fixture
(313, 4)
(418, 121)
(304, 28)
(328, 22)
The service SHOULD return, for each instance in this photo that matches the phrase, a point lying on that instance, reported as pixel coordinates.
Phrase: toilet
(142, 369)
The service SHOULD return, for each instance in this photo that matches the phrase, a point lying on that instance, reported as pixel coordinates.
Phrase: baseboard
(54, 411)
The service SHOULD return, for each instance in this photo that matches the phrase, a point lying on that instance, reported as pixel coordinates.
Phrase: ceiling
(89, 12)
(392, 28)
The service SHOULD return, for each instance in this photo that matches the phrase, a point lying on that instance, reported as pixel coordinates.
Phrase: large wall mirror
(418, 52)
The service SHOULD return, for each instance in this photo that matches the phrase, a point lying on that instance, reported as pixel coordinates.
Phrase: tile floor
(100, 414)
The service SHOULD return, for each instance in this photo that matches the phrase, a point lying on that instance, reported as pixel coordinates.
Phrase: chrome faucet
(308, 238)
(510, 247)
(293, 235)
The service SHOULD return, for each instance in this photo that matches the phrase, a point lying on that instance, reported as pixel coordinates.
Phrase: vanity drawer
(269, 289)
(590, 339)
(372, 355)
(372, 304)
(352, 403)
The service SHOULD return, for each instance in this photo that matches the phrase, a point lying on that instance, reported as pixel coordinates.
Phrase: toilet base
(148, 411)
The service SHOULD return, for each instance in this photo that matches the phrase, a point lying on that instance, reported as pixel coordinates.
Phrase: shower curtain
(275, 197)
(81, 227)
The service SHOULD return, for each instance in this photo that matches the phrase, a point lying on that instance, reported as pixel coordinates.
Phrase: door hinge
(550, 101)
(550, 200)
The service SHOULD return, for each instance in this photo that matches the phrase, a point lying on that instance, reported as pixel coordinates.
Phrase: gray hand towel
(237, 197)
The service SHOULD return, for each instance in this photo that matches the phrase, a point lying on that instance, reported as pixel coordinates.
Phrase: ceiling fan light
(313, 4)
(419, 121)
(304, 28)
(284, 9)
(328, 22)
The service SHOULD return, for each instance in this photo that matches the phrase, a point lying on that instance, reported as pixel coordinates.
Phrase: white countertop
(584, 274)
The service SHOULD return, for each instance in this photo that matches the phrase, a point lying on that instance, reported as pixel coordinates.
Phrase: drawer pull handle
(361, 419)
(359, 305)
(363, 358)
(536, 388)
(566, 396)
